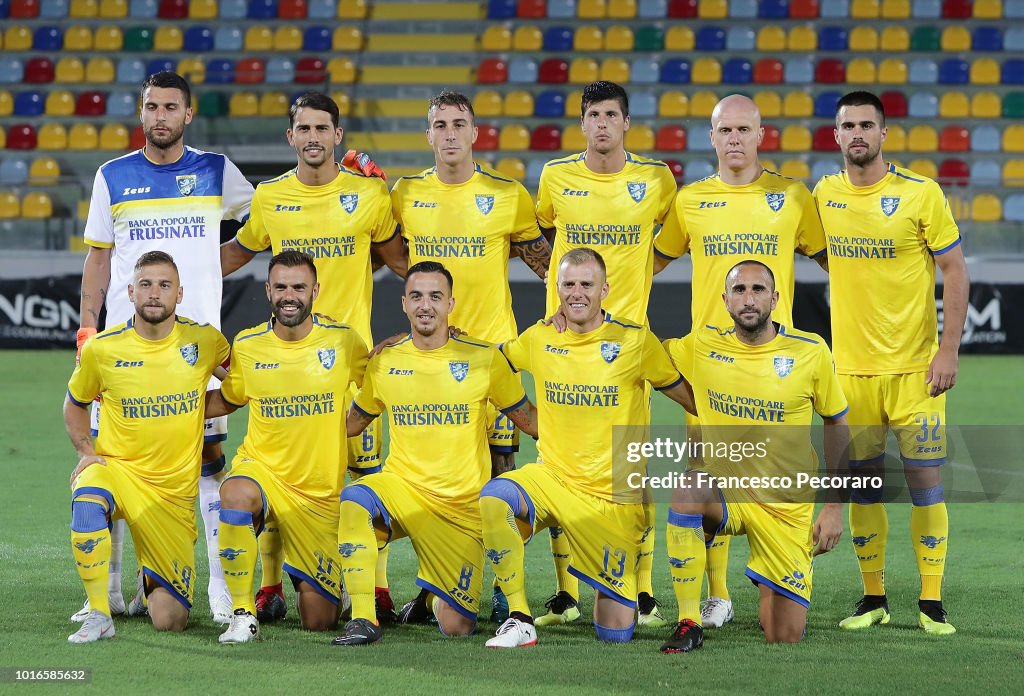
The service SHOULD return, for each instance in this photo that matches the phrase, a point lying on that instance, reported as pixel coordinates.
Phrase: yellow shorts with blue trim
(364, 449)
(899, 402)
(163, 527)
(447, 539)
(604, 537)
(308, 527)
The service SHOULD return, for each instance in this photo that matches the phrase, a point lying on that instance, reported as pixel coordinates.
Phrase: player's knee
(870, 492)
(363, 497)
(614, 635)
(922, 478)
(88, 516)
(923, 497)
(318, 621)
(241, 494)
(166, 612)
(503, 490)
(214, 464)
(451, 623)
(785, 634)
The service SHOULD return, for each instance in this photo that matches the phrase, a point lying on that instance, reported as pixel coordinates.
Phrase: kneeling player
(436, 391)
(144, 466)
(294, 372)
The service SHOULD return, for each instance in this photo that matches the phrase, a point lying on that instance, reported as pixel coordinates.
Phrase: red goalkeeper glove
(81, 337)
(362, 162)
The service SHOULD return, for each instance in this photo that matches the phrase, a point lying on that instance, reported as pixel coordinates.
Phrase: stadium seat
(922, 138)
(159, 64)
(213, 104)
(737, 39)
(514, 137)
(546, 137)
(863, 38)
(83, 9)
(6, 103)
(896, 140)
(69, 70)
(825, 104)
(676, 167)
(769, 9)
(895, 38)
(202, 9)
(643, 104)
(192, 69)
(220, 71)
(797, 105)
(588, 39)
(572, 139)
(640, 138)
(591, 9)
(496, 9)
(697, 170)
(988, 9)
(987, 39)
(712, 9)
(137, 140)
(48, 9)
(833, 39)
(649, 38)
(768, 71)
(737, 71)
(561, 9)
(13, 171)
(861, 71)
(352, 9)
(550, 104)
(830, 71)
(676, 71)
(864, 9)
(10, 206)
(136, 40)
(487, 138)
(288, 39)
(292, 9)
(48, 38)
(37, 205)
(531, 9)
(710, 38)
(617, 70)
(795, 169)
(259, 38)
(512, 167)
(129, 70)
(522, 70)
(124, 103)
(1013, 208)
(925, 38)
(986, 207)
(78, 37)
(670, 138)
(923, 72)
(954, 71)
(702, 104)
(954, 105)
(582, 71)
(707, 71)
(622, 9)
(955, 39)
(895, 9)
(83, 136)
(956, 9)
(262, 9)
(824, 167)
(923, 166)
(772, 139)
(198, 39)
(892, 71)
(496, 38)
(243, 104)
(771, 38)
(768, 103)
(91, 103)
(487, 104)
(672, 104)
(1013, 71)
(490, 71)
(1013, 172)
(339, 71)
(233, 9)
(39, 71)
(953, 172)
(520, 104)
(114, 136)
(799, 71)
(1013, 138)
(168, 39)
(59, 102)
(527, 38)
(558, 39)
(895, 104)
(795, 138)
(824, 139)
(682, 9)
(985, 105)
(652, 9)
(142, 9)
(1013, 105)
(680, 38)
(985, 71)
(802, 39)
(52, 136)
(923, 105)
(29, 103)
(317, 39)
(986, 139)
(250, 71)
(619, 39)
(347, 38)
(804, 9)
(17, 38)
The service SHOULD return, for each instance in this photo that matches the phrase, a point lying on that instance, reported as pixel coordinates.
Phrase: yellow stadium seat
(896, 139)
(83, 9)
(895, 9)
(512, 167)
(712, 9)
(193, 70)
(673, 104)
(352, 9)
(78, 38)
(573, 139)
(954, 105)
(892, 71)
(796, 138)
(771, 38)
(861, 71)
(702, 104)
(795, 169)
(44, 171)
(802, 38)
(1013, 173)
(863, 38)
(988, 9)
(3, 138)
(986, 207)
(496, 38)
(347, 38)
(959, 205)
(37, 205)
(118, 9)
(60, 102)
(924, 167)
(168, 39)
(18, 38)
(6, 103)
(341, 71)
(588, 38)
(922, 139)
(615, 70)
(706, 71)
(1013, 138)
(797, 105)
(572, 103)
(114, 136)
(10, 206)
(108, 38)
(592, 9)
(514, 137)
(769, 104)
(619, 38)
(274, 104)
(243, 104)
(985, 71)
(639, 139)
(583, 71)
(986, 105)
(69, 70)
(202, 9)
(288, 38)
(519, 104)
(82, 210)
(680, 38)
(52, 136)
(622, 9)
(100, 70)
(527, 38)
(487, 104)
(864, 9)
(83, 136)
(895, 38)
(259, 38)
(956, 39)
(343, 101)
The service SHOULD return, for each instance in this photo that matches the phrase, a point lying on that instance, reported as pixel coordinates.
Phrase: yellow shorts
(781, 542)
(163, 527)
(308, 527)
(364, 449)
(604, 537)
(900, 402)
(447, 539)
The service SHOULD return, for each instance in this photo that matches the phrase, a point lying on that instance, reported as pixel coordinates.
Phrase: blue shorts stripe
(155, 577)
(446, 598)
(298, 574)
(380, 506)
(367, 471)
(911, 461)
(759, 579)
(601, 587)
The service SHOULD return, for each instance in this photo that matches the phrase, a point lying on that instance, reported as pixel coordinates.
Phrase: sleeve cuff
(943, 250)
(663, 255)
(529, 241)
(364, 411)
(99, 245)
(838, 415)
(514, 406)
(814, 256)
(227, 400)
(251, 251)
(674, 384)
(71, 396)
(395, 233)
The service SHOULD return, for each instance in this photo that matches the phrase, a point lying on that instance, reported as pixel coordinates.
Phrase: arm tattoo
(537, 256)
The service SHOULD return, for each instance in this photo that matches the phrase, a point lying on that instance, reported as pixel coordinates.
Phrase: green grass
(982, 591)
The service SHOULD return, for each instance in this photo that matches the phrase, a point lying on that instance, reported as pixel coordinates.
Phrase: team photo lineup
(426, 424)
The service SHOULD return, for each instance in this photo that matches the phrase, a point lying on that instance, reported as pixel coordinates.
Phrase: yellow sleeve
(829, 400)
(254, 236)
(223, 349)
(525, 228)
(384, 227)
(85, 385)
(367, 400)
(936, 221)
(358, 359)
(233, 387)
(506, 389)
(397, 193)
(673, 241)
(657, 366)
(680, 352)
(517, 351)
(545, 206)
(668, 186)
(810, 237)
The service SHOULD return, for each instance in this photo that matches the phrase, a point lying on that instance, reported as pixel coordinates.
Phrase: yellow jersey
(436, 405)
(882, 243)
(153, 396)
(335, 224)
(296, 392)
(721, 225)
(587, 384)
(613, 214)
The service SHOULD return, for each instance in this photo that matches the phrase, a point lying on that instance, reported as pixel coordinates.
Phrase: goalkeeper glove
(81, 337)
(362, 162)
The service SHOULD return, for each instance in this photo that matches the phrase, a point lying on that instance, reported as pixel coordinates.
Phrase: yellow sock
(92, 561)
(381, 573)
(645, 566)
(357, 545)
(869, 527)
(929, 529)
(272, 556)
(505, 550)
(718, 567)
(237, 540)
(562, 555)
(687, 558)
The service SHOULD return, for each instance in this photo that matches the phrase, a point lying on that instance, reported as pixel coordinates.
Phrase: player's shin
(357, 545)
(381, 572)
(869, 529)
(718, 567)
(687, 559)
(272, 557)
(929, 529)
(116, 550)
(562, 556)
(504, 547)
(90, 544)
(645, 565)
(209, 507)
(238, 557)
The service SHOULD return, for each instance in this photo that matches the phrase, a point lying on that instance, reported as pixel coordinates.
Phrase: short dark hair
(318, 101)
(168, 80)
(292, 258)
(582, 255)
(600, 91)
(448, 97)
(752, 262)
(430, 267)
(862, 98)
(155, 258)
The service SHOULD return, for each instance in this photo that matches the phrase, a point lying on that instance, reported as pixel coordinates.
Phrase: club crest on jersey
(610, 351)
(484, 204)
(890, 204)
(783, 366)
(637, 189)
(459, 368)
(349, 202)
(326, 356)
(775, 201)
(186, 184)
(190, 353)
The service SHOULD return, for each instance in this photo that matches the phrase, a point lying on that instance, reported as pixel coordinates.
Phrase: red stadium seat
(830, 71)
(173, 9)
(310, 71)
(553, 71)
(954, 172)
(954, 139)
(486, 139)
(21, 137)
(492, 71)
(293, 9)
(91, 104)
(825, 140)
(138, 140)
(768, 71)
(546, 137)
(250, 71)
(24, 9)
(532, 9)
(771, 140)
(676, 167)
(682, 9)
(895, 104)
(39, 70)
(957, 9)
(804, 9)
(670, 138)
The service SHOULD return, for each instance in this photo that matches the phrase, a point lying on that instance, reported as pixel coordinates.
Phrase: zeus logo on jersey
(281, 208)
(557, 351)
(424, 204)
(266, 366)
(835, 204)
(129, 191)
(128, 363)
(573, 192)
(723, 358)
(794, 581)
(712, 204)
(399, 372)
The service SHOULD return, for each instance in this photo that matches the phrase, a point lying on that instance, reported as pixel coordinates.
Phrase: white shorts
(214, 429)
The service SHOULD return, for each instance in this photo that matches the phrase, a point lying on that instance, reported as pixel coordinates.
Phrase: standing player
(143, 468)
(294, 372)
(742, 212)
(170, 197)
(756, 382)
(887, 229)
(593, 377)
(436, 392)
(609, 200)
(338, 215)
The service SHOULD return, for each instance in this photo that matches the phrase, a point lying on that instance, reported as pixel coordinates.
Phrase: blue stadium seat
(316, 39)
(833, 39)
(262, 9)
(825, 104)
(160, 64)
(1013, 71)
(740, 39)
(13, 171)
(48, 38)
(533, 169)
(954, 71)
(550, 104)
(923, 71)
(824, 167)
(835, 9)
(11, 71)
(131, 71)
(675, 71)
(322, 9)
(926, 9)
(1013, 208)
(53, 9)
(220, 71)
(29, 104)
(1013, 9)
(198, 39)
(644, 71)
(233, 9)
(711, 39)
(695, 170)
(5, 8)
(986, 139)
(228, 39)
(775, 9)
(121, 104)
(643, 104)
(700, 142)
(737, 71)
(1013, 40)
(522, 70)
(558, 39)
(280, 71)
(563, 9)
(496, 9)
(987, 39)
(143, 9)
(986, 172)
(923, 105)
(799, 71)
(743, 9)
(647, 9)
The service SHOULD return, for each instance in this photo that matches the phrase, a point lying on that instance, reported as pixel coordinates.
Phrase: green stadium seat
(926, 38)
(649, 38)
(138, 39)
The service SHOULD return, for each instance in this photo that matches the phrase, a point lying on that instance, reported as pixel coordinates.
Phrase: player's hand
(942, 372)
(455, 332)
(362, 162)
(81, 337)
(828, 528)
(387, 342)
(84, 463)
(558, 320)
